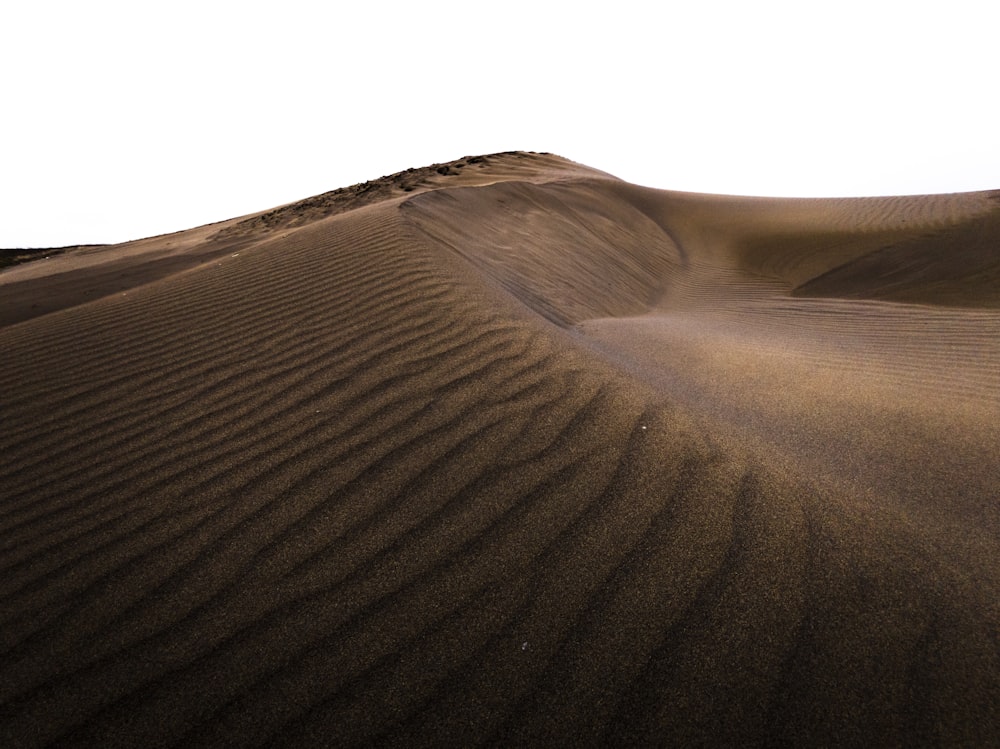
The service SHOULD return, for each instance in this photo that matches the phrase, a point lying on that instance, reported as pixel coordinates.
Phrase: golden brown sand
(507, 451)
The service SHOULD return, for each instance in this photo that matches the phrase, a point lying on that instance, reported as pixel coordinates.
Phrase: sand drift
(507, 451)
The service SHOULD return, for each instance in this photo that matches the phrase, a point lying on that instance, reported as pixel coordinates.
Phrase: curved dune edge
(523, 454)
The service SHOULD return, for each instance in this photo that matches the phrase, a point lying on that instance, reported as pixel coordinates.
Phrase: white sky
(123, 120)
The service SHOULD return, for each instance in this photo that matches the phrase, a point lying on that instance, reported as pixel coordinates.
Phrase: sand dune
(507, 451)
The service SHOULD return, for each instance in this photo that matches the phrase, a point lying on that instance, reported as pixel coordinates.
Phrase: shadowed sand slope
(508, 452)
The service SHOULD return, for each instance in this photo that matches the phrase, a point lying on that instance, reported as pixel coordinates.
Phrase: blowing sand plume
(507, 451)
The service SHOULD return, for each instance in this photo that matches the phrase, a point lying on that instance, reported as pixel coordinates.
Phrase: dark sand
(508, 452)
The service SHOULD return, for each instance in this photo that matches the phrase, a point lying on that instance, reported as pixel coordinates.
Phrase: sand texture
(508, 452)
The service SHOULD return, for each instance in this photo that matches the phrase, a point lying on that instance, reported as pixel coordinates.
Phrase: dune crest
(508, 451)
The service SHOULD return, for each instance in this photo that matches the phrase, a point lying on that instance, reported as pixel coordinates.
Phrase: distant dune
(507, 451)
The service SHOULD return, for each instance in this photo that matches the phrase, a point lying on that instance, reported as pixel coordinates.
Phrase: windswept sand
(507, 451)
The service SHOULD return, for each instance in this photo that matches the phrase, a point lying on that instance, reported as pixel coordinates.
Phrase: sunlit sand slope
(507, 451)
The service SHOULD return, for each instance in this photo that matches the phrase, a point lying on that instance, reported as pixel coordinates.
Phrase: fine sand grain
(506, 451)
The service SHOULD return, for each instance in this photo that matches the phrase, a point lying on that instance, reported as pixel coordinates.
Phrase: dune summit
(507, 451)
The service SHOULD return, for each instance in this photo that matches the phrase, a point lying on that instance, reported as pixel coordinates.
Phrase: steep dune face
(508, 451)
(569, 251)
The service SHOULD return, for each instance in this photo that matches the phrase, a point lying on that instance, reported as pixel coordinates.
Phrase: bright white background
(122, 120)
